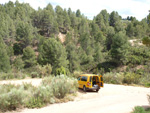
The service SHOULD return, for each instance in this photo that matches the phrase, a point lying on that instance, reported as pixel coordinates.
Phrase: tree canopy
(67, 39)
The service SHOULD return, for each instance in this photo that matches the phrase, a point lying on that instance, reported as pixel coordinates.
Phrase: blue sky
(90, 8)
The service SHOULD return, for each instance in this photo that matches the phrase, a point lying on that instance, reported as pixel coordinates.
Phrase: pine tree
(100, 21)
(98, 56)
(18, 63)
(130, 30)
(110, 35)
(115, 21)
(52, 52)
(45, 21)
(24, 34)
(4, 58)
(78, 13)
(29, 57)
(60, 16)
(72, 57)
(67, 21)
(119, 48)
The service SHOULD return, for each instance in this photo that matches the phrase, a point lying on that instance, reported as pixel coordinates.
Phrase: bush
(34, 74)
(44, 70)
(41, 97)
(131, 78)
(28, 86)
(11, 75)
(114, 78)
(5, 76)
(39, 71)
(50, 91)
(147, 84)
(76, 74)
(63, 85)
(120, 78)
(107, 77)
(60, 71)
(47, 80)
(10, 99)
(48, 69)
(138, 109)
(18, 63)
(34, 102)
(51, 87)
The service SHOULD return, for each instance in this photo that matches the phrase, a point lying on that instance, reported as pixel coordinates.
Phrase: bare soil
(110, 99)
(62, 37)
(135, 41)
(34, 82)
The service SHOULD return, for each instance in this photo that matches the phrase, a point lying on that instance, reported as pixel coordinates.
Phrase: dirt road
(110, 99)
(34, 82)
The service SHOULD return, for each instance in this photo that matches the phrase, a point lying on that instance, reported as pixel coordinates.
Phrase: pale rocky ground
(34, 82)
(110, 99)
(136, 42)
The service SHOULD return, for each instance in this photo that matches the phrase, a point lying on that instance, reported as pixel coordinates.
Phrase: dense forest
(61, 41)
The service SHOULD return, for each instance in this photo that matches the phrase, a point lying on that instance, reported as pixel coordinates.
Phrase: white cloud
(90, 8)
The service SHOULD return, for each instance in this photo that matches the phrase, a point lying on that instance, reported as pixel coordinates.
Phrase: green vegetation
(123, 78)
(37, 43)
(52, 52)
(52, 90)
(4, 58)
(139, 109)
(55, 41)
(146, 41)
(68, 42)
(29, 57)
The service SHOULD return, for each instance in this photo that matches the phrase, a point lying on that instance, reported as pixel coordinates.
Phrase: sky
(90, 8)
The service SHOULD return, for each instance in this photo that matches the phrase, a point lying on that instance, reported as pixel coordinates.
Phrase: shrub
(11, 75)
(34, 102)
(19, 75)
(147, 84)
(62, 85)
(115, 78)
(60, 71)
(119, 78)
(34, 74)
(108, 77)
(18, 63)
(28, 86)
(48, 69)
(41, 97)
(7, 88)
(47, 80)
(50, 91)
(5, 76)
(44, 70)
(39, 71)
(76, 74)
(11, 99)
(138, 109)
(131, 78)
